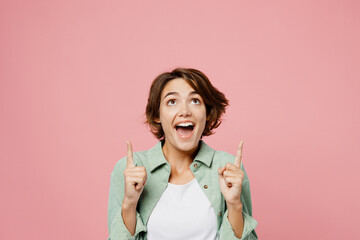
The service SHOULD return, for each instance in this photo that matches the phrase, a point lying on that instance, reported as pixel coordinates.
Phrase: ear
(157, 120)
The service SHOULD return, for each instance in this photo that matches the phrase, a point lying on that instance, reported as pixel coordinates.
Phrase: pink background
(75, 77)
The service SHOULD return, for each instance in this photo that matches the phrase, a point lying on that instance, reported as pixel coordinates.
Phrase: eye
(171, 102)
(195, 101)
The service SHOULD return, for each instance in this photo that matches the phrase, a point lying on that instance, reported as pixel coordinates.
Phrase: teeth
(185, 124)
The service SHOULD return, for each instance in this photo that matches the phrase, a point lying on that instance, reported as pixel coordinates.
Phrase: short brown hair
(214, 100)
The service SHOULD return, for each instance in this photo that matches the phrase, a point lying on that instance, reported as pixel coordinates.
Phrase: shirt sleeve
(226, 231)
(116, 226)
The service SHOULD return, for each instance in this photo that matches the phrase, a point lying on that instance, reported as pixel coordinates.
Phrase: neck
(179, 160)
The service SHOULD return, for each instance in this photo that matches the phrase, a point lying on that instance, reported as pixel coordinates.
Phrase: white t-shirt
(183, 212)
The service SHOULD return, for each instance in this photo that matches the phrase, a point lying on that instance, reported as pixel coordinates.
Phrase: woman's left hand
(231, 177)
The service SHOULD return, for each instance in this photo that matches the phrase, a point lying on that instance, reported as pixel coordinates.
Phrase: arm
(234, 185)
(128, 213)
(122, 217)
(248, 230)
(235, 218)
(116, 225)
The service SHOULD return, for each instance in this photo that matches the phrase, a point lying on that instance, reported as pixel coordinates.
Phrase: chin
(187, 146)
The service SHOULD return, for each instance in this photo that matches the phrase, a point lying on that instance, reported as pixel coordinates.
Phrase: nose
(184, 110)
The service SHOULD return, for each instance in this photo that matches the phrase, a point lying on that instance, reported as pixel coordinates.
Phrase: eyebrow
(176, 93)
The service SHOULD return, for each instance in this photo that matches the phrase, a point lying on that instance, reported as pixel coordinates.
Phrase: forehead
(177, 85)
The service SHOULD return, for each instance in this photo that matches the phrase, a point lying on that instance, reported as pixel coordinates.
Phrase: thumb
(221, 170)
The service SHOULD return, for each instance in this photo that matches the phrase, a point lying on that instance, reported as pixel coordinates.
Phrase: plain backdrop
(74, 82)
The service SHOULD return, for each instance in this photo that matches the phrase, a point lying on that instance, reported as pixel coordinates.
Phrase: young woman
(181, 188)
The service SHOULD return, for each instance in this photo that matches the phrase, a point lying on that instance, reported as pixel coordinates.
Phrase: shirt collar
(204, 155)
(156, 157)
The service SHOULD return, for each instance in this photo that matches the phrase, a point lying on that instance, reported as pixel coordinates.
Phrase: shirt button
(219, 214)
(205, 186)
(195, 165)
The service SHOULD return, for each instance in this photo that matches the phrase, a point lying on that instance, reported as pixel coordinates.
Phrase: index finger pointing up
(130, 160)
(239, 155)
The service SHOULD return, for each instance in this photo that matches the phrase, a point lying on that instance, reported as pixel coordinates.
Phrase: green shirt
(204, 168)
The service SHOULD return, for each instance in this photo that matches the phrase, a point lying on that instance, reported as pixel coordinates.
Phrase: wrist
(235, 206)
(128, 205)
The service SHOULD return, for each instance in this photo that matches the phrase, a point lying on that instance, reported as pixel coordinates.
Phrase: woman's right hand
(135, 179)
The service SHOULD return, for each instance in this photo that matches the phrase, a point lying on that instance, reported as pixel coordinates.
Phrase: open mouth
(185, 130)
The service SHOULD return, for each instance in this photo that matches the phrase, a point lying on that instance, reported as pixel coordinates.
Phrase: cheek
(166, 117)
(202, 117)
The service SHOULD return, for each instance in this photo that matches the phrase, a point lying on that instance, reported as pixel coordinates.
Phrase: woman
(181, 188)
